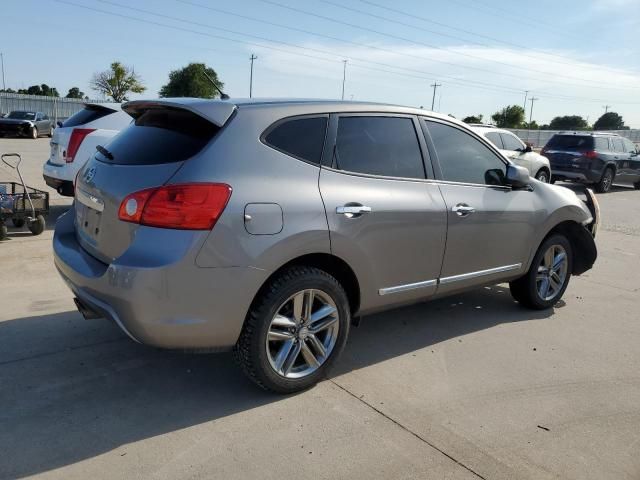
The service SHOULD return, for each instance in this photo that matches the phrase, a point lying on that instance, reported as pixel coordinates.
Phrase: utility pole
(606, 108)
(344, 76)
(524, 105)
(252, 58)
(532, 99)
(435, 85)
(4, 86)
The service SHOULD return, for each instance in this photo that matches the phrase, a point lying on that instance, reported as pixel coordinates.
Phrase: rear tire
(18, 222)
(604, 185)
(38, 225)
(50, 134)
(277, 346)
(4, 231)
(542, 176)
(541, 287)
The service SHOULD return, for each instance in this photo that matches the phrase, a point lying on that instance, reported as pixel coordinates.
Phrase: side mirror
(528, 149)
(517, 177)
(59, 123)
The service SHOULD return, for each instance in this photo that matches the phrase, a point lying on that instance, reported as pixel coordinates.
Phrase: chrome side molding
(407, 287)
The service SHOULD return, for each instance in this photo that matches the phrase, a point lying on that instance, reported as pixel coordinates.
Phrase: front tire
(34, 133)
(548, 277)
(294, 331)
(604, 185)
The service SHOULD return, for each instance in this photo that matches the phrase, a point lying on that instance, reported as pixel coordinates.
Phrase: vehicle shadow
(74, 389)
(18, 232)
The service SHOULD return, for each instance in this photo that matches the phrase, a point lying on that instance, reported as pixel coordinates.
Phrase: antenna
(223, 96)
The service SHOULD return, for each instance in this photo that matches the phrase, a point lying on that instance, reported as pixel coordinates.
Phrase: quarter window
(464, 159)
(302, 138)
(511, 142)
(494, 137)
(375, 145)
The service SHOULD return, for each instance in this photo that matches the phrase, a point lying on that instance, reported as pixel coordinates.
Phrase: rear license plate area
(88, 222)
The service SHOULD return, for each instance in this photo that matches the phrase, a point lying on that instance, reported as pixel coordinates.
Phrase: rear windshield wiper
(106, 153)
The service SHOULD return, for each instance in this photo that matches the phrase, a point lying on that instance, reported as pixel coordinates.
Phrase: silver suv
(267, 226)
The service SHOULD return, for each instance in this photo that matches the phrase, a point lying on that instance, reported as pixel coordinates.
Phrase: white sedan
(516, 151)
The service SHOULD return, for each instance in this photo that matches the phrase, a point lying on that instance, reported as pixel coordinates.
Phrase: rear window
(160, 135)
(301, 138)
(86, 115)
(570, 142)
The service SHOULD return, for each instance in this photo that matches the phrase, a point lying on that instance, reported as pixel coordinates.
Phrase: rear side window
(86, 115)
(570, 142)
(618, 144)
(301, 138)
(160, 135)
(374, 145)
(602, 144)
(511, 142)
(494, 137)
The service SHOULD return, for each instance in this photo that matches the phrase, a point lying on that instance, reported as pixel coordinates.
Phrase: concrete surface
(471, 386)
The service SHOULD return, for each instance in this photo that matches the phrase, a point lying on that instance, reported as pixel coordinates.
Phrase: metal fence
(57, 108)
(539, 138)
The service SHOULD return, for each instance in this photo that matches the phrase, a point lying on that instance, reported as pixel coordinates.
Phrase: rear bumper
(168, 304)
(55, 176)
(585, 175)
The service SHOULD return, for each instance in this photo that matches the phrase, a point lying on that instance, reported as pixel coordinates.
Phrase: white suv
(516, 151)
(75, 140)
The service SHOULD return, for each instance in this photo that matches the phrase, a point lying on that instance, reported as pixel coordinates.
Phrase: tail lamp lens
(191, 206)
(590, 154)
(77, 136)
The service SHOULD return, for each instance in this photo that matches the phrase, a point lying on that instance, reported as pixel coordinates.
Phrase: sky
(572, 56)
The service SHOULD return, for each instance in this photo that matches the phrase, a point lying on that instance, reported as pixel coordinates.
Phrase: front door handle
(351, 211)
(462, 210)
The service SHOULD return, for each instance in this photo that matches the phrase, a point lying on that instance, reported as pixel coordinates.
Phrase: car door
(633, 166)
(46, 124)
(490, 225)
(621, 158)
(385, 219)
(515, 150)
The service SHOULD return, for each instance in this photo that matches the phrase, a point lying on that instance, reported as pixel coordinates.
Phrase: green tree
(509, 117)
(609, 121)
(568, 122)
(117, 82)
(473, 119)
(190, 81)
(48, 91)
(74, 92)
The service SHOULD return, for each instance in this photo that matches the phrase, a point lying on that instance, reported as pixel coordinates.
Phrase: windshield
(22, 115)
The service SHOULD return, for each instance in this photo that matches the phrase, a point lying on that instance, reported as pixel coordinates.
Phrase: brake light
(590, 154)
(77, 136)
(189, 206)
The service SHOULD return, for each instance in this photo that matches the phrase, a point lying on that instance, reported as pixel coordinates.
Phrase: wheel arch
(582, 243)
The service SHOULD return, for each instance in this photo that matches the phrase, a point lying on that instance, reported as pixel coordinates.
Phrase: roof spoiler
(214, 111)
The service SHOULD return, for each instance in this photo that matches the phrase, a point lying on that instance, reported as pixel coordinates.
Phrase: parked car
(594, 158)
(267, 226)
(517, 151)
(21, 123)
(75, 140)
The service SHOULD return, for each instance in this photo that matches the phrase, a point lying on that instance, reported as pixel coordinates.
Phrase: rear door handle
(351, 211)
(462, 210)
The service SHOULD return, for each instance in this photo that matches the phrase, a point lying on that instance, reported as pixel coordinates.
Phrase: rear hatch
(568, 151)
(164, 135)
(60, 153)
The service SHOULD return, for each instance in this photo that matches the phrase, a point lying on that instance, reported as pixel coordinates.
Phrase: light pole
(252, 58)
(4, 86)
(344, 76)
(606, 108)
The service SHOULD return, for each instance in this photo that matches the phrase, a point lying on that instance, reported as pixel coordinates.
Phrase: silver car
(267, 227)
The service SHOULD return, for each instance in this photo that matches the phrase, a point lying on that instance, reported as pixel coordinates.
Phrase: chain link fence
(539, 138)
(57, 108)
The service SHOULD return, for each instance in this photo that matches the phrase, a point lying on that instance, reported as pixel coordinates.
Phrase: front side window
(299, 137)
(494, 137)
(464, 159)
(511, 142)
(618, 145)
(629, 146)
(375, 145)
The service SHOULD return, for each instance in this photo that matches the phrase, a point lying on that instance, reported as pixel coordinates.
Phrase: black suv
(597, 158)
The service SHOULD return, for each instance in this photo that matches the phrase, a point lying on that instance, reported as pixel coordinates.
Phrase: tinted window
(86, 115)
(511, 142)
(462, 158)
(494, 137)
(618, 145)
(160, 135)
(379, 146)
(570, 142)
(602, 144)
(302, 138)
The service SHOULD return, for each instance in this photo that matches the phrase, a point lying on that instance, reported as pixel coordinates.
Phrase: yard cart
(21, 204)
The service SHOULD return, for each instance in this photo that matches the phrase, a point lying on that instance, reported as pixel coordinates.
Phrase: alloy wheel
(552, 272)
(302, 333)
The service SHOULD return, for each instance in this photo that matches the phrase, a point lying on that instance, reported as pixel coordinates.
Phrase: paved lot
(470, 386)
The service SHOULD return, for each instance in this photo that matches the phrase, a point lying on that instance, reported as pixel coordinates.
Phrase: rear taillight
(77, 136)
(590, 154)
(543, 151)
(190, 206)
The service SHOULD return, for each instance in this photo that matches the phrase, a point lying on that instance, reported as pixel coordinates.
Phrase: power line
(397, 37)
